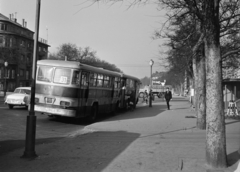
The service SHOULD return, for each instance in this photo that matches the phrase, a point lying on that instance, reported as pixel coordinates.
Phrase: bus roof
(59, 63)
(130, 77)
(78, 65)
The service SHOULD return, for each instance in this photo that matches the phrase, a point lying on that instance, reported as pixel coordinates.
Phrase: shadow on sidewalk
(166, 132)
(232, 158)
(231, 122)
(139, 112)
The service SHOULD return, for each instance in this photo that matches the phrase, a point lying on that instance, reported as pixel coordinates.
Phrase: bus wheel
(94, 113)
(10, 106)
(127, 103)
(116, 109)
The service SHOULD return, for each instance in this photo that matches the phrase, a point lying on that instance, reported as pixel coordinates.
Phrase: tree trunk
(201, 102)
(215, 134)
(195, 84)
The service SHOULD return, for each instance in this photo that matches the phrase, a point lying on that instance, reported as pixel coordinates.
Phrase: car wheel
(10, 106)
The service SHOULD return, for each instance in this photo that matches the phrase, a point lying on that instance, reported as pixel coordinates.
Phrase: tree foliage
(82, 55)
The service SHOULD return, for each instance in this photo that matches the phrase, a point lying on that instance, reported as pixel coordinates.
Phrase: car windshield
(22, 91)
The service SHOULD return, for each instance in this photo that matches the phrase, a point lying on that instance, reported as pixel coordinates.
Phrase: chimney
(23, 23)
(10, 16)
(15, 20)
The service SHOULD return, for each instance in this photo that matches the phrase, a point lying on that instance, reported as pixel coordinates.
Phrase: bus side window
(132, 85)
(100, 80)
(84, 79)
(106, 82)
(93, 77)
(116, 83)
(76, 78)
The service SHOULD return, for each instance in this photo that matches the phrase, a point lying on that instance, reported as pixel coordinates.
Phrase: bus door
(123, 92)
(84, 94)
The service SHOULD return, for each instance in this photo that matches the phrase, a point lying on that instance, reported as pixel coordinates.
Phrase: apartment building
(16, 48)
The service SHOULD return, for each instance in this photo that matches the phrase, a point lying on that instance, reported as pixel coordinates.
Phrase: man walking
(168, 97)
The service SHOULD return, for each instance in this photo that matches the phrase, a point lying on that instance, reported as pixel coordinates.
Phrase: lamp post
(151, 62)
(5, 78)
(31, 118)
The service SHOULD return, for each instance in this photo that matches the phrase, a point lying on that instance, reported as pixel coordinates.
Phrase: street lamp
(5, 78)
(151, 62)
(31, 118)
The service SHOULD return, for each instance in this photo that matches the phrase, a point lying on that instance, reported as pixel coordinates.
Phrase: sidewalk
(144, 140)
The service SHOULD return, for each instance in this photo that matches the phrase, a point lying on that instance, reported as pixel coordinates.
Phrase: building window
(22, 57)
(10, 42)
(21, 72)
(22, 43)
(20, 84)
(28, 59)
(1, 86)
(3, 27)
(13, 73)
(8, 73)
(27, 74)
(1, 39)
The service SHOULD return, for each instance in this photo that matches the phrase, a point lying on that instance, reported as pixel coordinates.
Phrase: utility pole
(31, 118)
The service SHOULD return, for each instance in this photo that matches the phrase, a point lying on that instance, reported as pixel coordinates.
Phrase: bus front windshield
(58, 75)
(62, 76)
(45, 73)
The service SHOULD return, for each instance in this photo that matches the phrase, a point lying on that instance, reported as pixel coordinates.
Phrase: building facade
(16, 48)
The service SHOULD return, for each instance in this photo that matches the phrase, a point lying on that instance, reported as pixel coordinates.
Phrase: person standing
(168, 97)
(145, 97)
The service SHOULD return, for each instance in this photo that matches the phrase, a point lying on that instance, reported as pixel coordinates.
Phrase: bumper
(15, 103)
(55, 111)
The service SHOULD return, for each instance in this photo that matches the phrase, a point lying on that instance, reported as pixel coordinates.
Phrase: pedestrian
(168, 97)
(145, 96)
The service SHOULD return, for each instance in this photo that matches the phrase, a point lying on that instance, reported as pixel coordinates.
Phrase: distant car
(18, 97)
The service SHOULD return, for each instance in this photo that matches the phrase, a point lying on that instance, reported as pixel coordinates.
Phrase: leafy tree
(83, 55)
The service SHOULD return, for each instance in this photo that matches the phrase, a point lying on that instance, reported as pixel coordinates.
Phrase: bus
(73, 89)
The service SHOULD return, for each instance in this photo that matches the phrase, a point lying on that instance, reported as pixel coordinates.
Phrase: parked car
(18, 97)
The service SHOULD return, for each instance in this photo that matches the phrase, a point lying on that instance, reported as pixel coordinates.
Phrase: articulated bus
(73, 89)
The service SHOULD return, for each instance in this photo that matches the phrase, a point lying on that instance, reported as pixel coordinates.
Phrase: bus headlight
(64, 103)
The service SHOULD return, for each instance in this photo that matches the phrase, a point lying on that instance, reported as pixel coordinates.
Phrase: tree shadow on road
(89, 152)
(7, 146)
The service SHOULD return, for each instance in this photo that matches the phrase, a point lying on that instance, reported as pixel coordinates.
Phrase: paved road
(144, 140)
(13, 127)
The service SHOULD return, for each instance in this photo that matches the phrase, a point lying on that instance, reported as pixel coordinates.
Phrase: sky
(120, 35)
